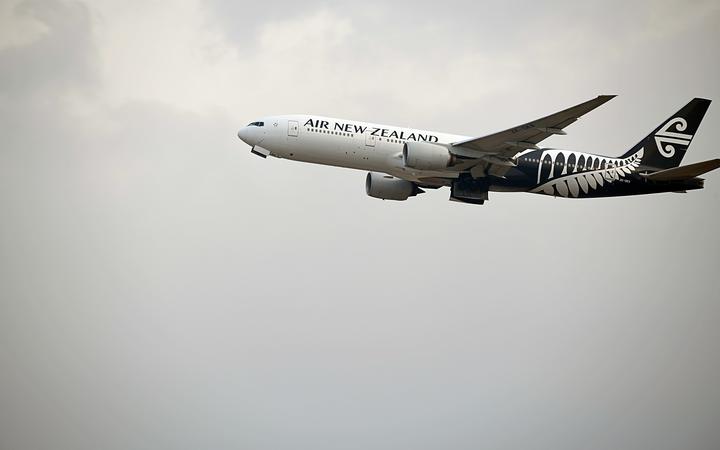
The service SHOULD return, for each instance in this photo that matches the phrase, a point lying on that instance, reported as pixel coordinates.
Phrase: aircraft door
(293, 128)
(369, 140)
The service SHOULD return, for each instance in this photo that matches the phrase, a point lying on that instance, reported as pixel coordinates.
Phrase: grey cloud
(493, 26)
(62, 58)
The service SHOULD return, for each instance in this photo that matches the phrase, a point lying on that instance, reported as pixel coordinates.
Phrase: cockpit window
(256, 124)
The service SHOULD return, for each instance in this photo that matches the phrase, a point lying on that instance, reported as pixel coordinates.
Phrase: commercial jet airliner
(402, 162)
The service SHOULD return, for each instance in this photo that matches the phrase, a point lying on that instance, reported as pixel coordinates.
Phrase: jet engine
(426, 156)
(386, 187)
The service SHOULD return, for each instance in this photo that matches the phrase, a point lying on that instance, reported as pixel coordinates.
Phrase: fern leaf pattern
(588, 174)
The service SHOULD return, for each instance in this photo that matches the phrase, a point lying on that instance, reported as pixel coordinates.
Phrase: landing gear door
(293, 128)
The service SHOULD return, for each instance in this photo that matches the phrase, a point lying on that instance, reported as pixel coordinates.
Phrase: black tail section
(666, 145)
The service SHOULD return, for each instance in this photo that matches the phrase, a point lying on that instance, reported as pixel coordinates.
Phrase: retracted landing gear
(467, 189)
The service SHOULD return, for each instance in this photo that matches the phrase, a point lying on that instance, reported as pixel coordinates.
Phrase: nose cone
(244, 134)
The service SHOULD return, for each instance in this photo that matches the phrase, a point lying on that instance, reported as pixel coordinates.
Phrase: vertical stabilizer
(666, 145)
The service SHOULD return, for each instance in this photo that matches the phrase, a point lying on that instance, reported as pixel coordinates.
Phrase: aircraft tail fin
(665, 147)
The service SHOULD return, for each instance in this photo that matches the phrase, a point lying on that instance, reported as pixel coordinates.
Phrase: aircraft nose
(243, 134)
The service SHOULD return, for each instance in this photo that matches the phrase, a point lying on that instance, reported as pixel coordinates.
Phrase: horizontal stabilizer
(684, 172)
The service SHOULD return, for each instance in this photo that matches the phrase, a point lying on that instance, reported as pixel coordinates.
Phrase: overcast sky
(162, 288)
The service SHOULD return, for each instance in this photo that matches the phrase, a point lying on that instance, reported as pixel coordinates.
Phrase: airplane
(403, 162)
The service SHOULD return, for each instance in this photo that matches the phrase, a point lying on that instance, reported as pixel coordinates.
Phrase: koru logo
(665, 138)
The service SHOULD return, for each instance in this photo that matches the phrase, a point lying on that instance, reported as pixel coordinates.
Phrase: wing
(504, 145)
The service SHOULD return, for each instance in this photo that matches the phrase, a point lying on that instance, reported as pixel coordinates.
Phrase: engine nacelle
(386, 187)
(426, 156)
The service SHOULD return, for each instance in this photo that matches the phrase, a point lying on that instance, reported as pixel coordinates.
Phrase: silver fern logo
(592, 173)
(666, 138)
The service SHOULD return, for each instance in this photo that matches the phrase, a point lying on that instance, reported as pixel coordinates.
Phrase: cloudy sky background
(161, 287)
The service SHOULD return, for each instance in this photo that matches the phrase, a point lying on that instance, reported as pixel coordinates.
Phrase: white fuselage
(404, 161)
(339, 142)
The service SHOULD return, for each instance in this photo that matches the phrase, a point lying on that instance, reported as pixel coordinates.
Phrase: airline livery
(403, 161)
